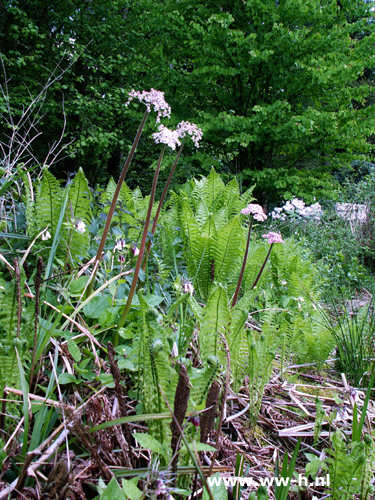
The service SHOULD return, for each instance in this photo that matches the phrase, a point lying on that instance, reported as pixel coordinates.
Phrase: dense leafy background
(282, 89)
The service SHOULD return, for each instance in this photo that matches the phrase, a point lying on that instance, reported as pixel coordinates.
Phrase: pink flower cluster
(167, 136)
(273, 237)
(255, 210)
(171, 137)
(195, 133)
(153, 98)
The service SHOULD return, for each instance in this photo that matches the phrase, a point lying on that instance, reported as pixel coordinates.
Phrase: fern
(346, 462)
(9, 337)
(201, 381)
(207, 211)
(261, 355)
(79, 207)
(48, 202)
(214, 322)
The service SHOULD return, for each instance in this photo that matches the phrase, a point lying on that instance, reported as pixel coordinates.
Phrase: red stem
(262, 268)
(235, 297)
(143, 243)
(114, 201)
(161, 203)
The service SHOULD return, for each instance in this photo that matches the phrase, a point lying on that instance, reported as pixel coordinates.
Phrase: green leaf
(218, 492)
(67, 378)
(150, 443)
(97, 306)
(106, 379)
(74, 351)
(126, 364)
(77, 286)
(198, 447)
(131, 491)
(113, 491)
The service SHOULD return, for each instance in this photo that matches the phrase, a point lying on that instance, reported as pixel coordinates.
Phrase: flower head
(120, 244)
(195, 133)
(273, 237)
(187, 286)
(80, 226)
(46, 236)
(134, 250)
(167, 136)
(121, 258)
(256, 210)
(153, 98)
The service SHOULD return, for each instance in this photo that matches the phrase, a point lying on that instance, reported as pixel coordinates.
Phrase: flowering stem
(141, 250)
(114, 201)
(235, 297)
(262, 268)
(161, 202)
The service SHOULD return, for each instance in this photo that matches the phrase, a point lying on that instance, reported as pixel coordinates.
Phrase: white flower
(187, 287)
(80, 226)
(120, 244)
(300, 204)
(46, 236)
(135, 250)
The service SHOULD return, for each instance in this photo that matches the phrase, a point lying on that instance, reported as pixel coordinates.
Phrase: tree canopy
(282, 89)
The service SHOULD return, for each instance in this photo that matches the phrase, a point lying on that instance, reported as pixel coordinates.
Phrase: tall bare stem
(262, 268)
(141, 249)
(161, 203)
(113, 204)
(235, 297)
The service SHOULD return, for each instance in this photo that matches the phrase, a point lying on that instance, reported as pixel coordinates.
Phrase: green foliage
(131, 208)
(10, 338)
(261, 352)
(214, 323)
(208, 212)
(282, 99)
(44, 214)
(346, 464)
(353, 332)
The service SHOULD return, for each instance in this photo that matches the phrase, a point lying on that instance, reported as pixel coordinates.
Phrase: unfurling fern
(261, 355)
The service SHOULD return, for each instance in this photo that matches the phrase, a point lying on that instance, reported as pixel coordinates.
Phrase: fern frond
(214, 322)
(202, 380)
(229, 250)
(48, 202)
(79, 208)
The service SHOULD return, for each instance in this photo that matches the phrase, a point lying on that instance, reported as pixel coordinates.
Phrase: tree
(88, 45)
(273, 84)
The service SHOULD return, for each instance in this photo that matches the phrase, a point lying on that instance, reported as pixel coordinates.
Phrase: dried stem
(223, 403)
(37, 283)
(120, 398)
(181, 401)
